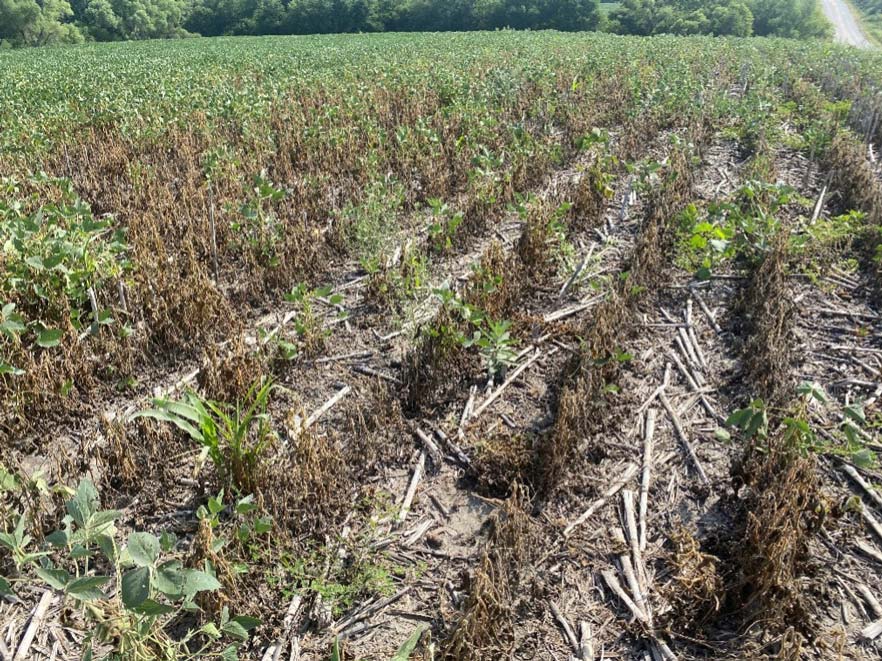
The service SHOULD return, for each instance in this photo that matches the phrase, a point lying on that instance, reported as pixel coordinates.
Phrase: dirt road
(848, 30)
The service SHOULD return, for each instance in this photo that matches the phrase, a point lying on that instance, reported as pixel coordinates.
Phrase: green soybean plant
(151, 589)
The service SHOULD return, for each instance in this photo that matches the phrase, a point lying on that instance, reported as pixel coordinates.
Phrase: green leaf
(6, 368)
(236, 630)
(87, 588)
(135, 587)
(335, 650)
(108, 547)
(246, 621)
(722, 435)
(56, 578)
(84, 503)
(262, 525)
(757, 424)
(864, 458)
(165, 416)
(199, 581)
(739, 418)
(5, 587)
(101, 519)
(167, 541)
(144, 549)
(409, 645)
(856, 413)
(57, 538)
(169, 578)
(153, 608)
(210, 630)
(231, 653)
(49, 337)
(813, 390)
(246, 505)
(79, 551)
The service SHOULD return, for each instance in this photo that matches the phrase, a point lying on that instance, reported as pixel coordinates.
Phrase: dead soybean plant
(486, 626)
(583, 408)
(767, 310)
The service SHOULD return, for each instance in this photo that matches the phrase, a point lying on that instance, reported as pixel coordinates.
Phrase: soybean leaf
(153, 608)
(856, 413)
(144, 549)
(57, 538)
(49, 337)
(84, 503)
(864, 458)
(739, 418)
(236, 630)
(210, 629)
(199, 581)
(135, 587)
(169, 578)
(167, 541)
(87, 588)
(56, 578)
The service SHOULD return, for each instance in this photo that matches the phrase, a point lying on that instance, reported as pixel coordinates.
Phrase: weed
(235, 438)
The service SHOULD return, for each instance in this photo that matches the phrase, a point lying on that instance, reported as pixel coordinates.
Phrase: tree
(15, 17)
(29, 23)
(109, 20)
(798, 19)
(571, 15)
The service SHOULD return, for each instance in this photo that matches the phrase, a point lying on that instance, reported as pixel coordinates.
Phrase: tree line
(44, 22)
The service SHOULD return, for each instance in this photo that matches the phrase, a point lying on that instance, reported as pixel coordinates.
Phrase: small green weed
(233, 437)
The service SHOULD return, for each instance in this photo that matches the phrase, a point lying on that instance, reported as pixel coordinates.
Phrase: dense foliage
(740, 18)
(40, 22)
(872, 11)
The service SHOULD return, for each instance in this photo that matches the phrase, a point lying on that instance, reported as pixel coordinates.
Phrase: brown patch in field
(437, 363)
(375, 426)
(495, 284)
(583, 409)
(307, 486)
(228, 372)
(500, 462)
(202, 550)
(143, 456)
(854, 178)
(767, 309)
(534, 247)
(486, 626)
(783, 508)
(590, 197)
(697, 590)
